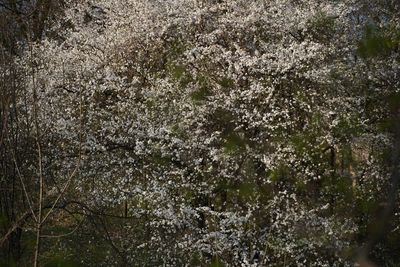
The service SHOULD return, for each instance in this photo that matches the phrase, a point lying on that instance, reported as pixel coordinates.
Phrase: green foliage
(203, 90)
(391, 122)
(200, 94)
(226, 82)
(60, 261)
(4, 262)
(394, 101)
(248, 190)
(340, 187)
(150, 103)
(176, 71)
(3, 220)
(300, 142)
(378, 41)
(176, 48)
(195, 260)
(348, 127)
(274, 175)
(233, 143)
(278, 174)
(322, 26)
(216, 262)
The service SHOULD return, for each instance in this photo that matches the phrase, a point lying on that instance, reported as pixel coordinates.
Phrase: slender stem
(40, 172)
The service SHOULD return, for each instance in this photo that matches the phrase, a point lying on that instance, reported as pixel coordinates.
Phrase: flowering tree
(222, 132)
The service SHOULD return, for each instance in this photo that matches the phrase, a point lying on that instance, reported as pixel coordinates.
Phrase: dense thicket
(198, 133)
(21, 22)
